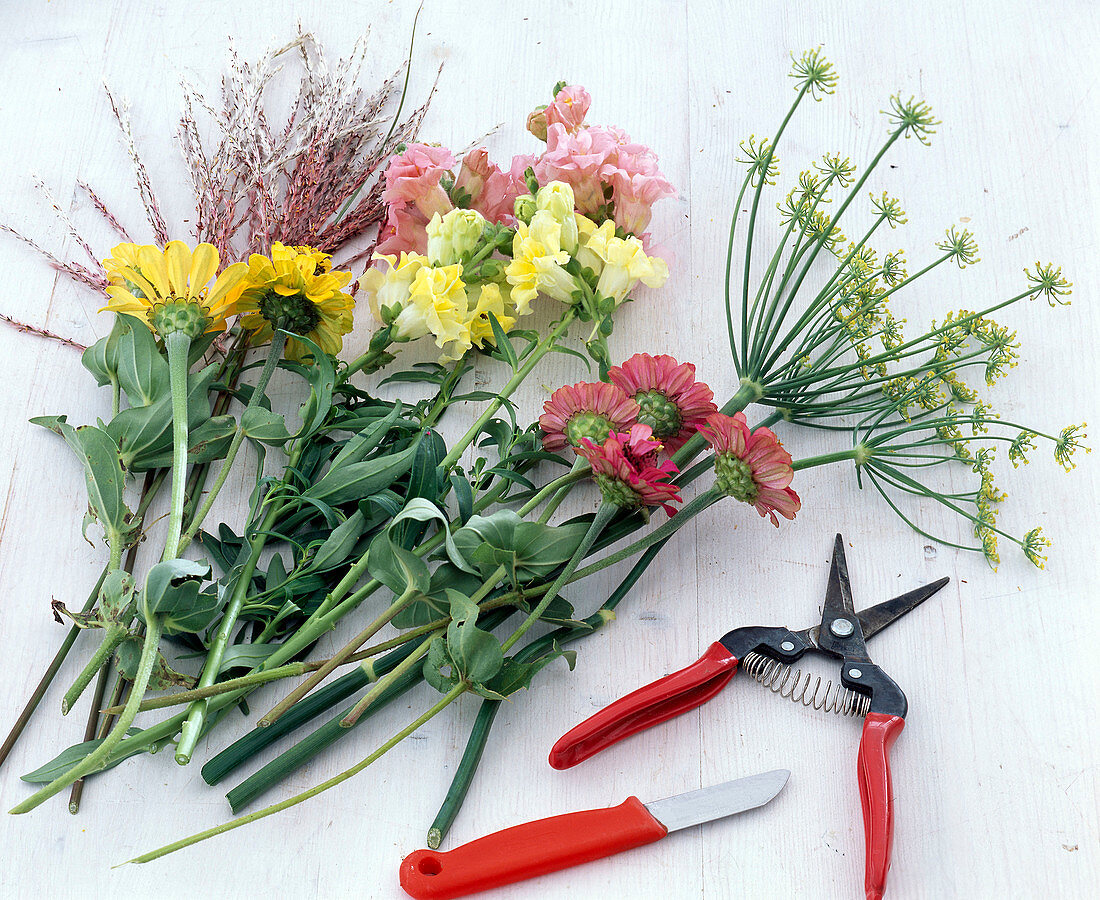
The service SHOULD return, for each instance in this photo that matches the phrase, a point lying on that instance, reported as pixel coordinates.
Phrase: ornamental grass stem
(90, 729)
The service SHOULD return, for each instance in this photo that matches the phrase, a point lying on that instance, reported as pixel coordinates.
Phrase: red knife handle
(876, 795)
(670, 696)
(528, 850)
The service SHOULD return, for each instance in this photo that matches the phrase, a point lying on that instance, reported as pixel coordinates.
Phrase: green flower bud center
(617, 492)
(296, 314)
(733, 476)
(178, 314)
(584, 424)
(659, 413)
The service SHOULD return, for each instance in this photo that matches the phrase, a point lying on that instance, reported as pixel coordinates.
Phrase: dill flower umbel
(296, 290)
(671, 401)
(751, 466)
(170, 290)
(578, 411)
(625, 468)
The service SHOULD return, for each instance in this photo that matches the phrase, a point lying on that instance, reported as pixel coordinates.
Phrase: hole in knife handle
(804, 687)
(429, 865)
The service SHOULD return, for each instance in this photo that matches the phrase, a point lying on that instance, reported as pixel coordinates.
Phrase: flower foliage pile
(360, 498)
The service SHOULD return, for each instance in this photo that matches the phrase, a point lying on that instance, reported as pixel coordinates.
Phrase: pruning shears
(766, 654)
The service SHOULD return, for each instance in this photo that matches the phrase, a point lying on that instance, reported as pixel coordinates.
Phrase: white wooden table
(996, 773)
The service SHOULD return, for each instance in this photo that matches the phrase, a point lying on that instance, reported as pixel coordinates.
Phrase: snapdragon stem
(275, 353)
(532, 358)
(578, 472)
(178, 345)
(387, 681)
(100, 756)
(429, 714)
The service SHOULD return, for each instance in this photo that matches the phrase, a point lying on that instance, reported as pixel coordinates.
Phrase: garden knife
(546, 845)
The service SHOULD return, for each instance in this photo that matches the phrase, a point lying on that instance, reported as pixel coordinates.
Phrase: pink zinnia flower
(569, 108)
(626, 470)
(672, 402)
(751, 466)
(578, 411)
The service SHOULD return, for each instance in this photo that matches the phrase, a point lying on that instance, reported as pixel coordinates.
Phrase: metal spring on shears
(794, 685)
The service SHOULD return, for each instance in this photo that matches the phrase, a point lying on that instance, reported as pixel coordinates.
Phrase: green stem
(383, 685)
(579, 472)
(99, 757)
(115, 634)
(530, 361)
(278, 343)
(196, 716)
(178, 345)
(440, 705)
(604, 515)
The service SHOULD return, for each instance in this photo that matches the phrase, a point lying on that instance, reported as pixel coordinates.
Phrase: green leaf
(172, 593)
(464, 494)
(397, 568)
(358, 480)
(514, 674)
(264, 426)
(102, 470)
(357, 448)
(142, 368)
(116, 596)
(101, 359)
(476, 654)
(68, 758)
(533, 549)
(145, 431)
(504, 346)
(245, 656)
(162, 678)
(434, 663)
(206, 442)
(321, 377)
(433, 604)
(338, 546)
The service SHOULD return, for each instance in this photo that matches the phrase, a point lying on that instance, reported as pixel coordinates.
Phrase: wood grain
(996, 773)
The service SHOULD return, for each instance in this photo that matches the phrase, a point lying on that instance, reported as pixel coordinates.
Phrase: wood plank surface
(996, 774)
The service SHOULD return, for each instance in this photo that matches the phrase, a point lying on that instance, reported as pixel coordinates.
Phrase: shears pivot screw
(842, 628)
(854, 673)
(786, 646)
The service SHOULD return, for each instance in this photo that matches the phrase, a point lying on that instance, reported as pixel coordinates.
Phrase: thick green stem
(441, 705)
(178, 345)
(100, 756)
(386, 682)
(278, 342)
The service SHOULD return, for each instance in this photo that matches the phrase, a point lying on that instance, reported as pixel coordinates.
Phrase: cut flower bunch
(450, 562)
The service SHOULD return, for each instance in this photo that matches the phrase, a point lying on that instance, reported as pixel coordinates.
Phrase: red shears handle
(670, 696)
(529, 850)
(876, 795)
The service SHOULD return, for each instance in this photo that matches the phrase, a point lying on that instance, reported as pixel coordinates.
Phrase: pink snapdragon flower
(751, 466)
(413, 195)
(634, 196)
(492, 192)
(569, 108)
(625, 468)
(578, 411)
(580, 160)
(670, 400)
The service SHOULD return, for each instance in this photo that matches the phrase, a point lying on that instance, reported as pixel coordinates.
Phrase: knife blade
(547, 845)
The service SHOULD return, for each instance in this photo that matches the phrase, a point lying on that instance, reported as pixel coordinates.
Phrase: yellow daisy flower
(296, 290)
(170, 290)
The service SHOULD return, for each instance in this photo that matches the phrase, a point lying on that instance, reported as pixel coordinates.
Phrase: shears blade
(877, 617)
